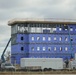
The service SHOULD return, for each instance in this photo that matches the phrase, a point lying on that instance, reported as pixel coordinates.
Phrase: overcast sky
(10, 9)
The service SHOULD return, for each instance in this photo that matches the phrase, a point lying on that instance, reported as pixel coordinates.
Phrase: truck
(41, 63)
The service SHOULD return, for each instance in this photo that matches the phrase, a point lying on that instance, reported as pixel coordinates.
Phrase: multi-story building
(42, 39)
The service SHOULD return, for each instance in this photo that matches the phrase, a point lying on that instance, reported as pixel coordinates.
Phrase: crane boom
(70, 42)
(2, 56)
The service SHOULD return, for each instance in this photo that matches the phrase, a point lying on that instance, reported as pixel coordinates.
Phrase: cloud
(9, 9)
(8, 4)
(37, 8)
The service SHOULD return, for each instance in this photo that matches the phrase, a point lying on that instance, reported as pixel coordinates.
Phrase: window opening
(66, 39)
(60, 48)
(54, 38)
(38, 38)
(60, 38)
(32, 48)
(60, 29)
(32, 38)
(43, 48)
(38, 48)
(71, 29)
(22, 48)
(66, 48)
(49, 38)
(22, 38)
(43, 38)
(71, 39)
(49, 48)
(54, 48)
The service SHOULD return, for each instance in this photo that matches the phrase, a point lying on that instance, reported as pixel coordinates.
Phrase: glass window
(60, 29)
(60, 48)
(60, 38)
(54, 38)
(38, 48)
(66, 48)
(38, 38)
(66, 29)
(54, 29)
(43, 48)
(43, 38)
(54, 48)
(32, 48)
(49, 48)
(71, 39)
(32, 38)
(71, 29)
(66, 39)
(49, 38)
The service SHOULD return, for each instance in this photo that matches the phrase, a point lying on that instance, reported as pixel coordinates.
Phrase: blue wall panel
(59, 39)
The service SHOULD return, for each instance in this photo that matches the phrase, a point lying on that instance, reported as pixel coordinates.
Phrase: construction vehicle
(4, 65)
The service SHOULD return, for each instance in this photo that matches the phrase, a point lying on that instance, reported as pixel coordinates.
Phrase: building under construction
(39, 38)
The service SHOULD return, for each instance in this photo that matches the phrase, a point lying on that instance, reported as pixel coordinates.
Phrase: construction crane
(70, 39)
(2, 56)
(6, 65)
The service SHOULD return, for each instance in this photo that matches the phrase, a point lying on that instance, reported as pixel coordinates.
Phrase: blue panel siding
(52, 36)
(58, 42)
(66, 31)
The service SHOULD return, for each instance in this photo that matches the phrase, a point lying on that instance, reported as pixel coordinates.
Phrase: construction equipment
(2, 56)
(70, 42)
(6, 65)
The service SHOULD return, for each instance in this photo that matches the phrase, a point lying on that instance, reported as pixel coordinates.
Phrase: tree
(8, 56)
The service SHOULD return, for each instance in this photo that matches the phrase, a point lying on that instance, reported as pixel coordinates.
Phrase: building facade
(42, 39)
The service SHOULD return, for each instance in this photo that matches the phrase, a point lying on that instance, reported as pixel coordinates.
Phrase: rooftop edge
(41, 20)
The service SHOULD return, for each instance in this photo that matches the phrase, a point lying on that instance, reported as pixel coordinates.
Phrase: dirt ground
(40, 73)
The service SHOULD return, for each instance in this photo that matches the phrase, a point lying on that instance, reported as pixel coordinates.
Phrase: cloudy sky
(10, 9)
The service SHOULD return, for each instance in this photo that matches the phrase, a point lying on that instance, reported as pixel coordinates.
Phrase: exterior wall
(52, 44)
(45, 45)
(20, 48)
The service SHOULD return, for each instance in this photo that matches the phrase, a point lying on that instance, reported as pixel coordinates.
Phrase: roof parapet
(56, 20)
